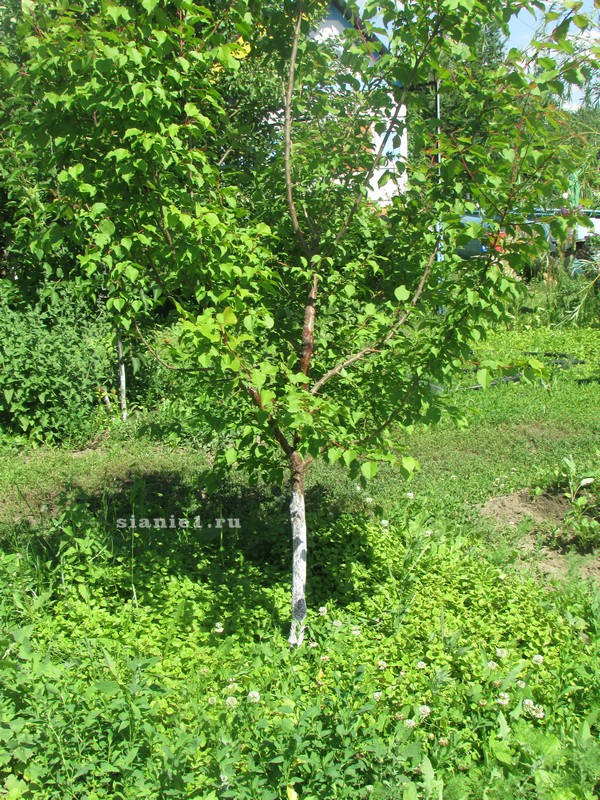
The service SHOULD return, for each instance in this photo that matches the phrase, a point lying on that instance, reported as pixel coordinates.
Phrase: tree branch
(276, 430)
(287, 129)
(157, 357)
(255, 395)
(375, 348)
(308, 331)
(392, 124)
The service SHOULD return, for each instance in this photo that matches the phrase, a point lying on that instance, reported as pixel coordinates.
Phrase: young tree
(315, 321)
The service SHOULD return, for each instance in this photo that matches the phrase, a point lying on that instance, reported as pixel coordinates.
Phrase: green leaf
(401, 293)
(231, 455)
(106, 227)
(334, 454)
(504, 732)
(229, 317)
(109, 688)
(483, 378)
(349, 456)
(409, 465)
(150, 5)
(410, 792)
(501, 751)
(369, 469)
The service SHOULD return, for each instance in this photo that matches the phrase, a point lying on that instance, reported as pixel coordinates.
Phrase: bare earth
(511, 509)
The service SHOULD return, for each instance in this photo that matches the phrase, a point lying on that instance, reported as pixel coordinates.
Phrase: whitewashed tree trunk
(122, 384)
(299, 550)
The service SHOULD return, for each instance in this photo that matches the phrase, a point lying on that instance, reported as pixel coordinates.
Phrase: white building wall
(334, 24)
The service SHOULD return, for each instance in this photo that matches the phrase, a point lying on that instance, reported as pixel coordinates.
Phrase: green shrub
(55, 366)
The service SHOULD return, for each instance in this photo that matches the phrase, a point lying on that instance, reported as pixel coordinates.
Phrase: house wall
(334, 24)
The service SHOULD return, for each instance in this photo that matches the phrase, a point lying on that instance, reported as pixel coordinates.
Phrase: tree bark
(299, 550)
(122, 384)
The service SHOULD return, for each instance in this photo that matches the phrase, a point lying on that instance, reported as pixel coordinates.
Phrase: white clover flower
(443, 741)
(253, 697)
(410, 723)
(212, 701)
(355, 631)
(410, 495)
(381, 664)
(368, 500)
(358, 488)
(538, 712)
(492, 665)
(427, 533)
(453, 477)
(528, 703)
(231, 702)
(501, 652)
(521, 684)
(323, 611)
(325, 658)
(421, 665)
(218, 628)
(337, 623)
(424, 711)
(233, 686)
(313, 644)
(384, 523)
(377, 696)
(503, 699)
(538, 659)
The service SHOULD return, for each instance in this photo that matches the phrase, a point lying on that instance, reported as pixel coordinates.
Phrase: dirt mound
(510, 509)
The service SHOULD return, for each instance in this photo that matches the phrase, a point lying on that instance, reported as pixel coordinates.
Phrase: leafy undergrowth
(153, 664)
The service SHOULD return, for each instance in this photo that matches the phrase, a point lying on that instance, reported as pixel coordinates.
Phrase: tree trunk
(299, 549)
(122, 384)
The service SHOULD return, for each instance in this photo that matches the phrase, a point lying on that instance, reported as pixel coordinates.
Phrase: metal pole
(122, 384)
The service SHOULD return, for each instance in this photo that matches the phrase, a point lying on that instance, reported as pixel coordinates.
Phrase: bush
(55, 365)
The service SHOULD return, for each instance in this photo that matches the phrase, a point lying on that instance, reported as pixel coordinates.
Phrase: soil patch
(554, 564)
(550, 509)
(511, 509)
